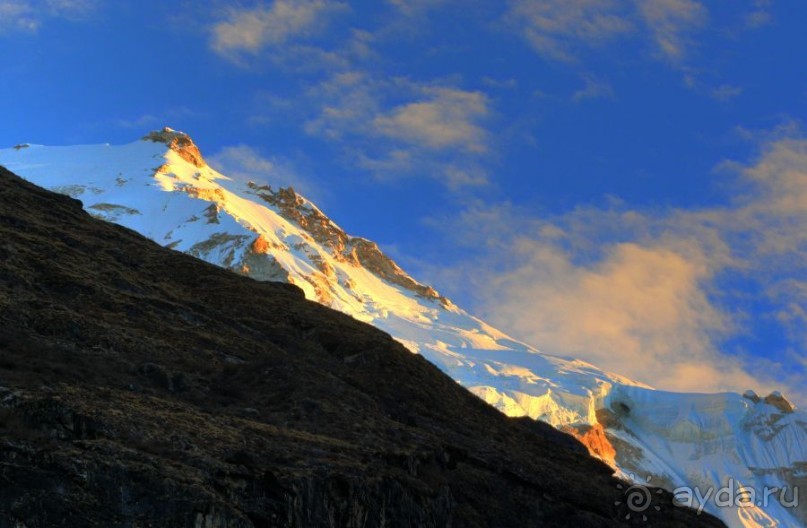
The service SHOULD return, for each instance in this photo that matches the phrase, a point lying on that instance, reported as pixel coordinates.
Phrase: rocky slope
(162, 188)
(143, 387)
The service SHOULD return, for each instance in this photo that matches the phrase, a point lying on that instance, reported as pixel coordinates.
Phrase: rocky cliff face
(144, 387)
(76, 462)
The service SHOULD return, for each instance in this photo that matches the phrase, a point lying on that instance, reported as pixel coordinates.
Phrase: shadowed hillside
(143, 387)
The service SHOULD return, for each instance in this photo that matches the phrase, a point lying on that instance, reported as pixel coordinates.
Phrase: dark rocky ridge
(142, 387)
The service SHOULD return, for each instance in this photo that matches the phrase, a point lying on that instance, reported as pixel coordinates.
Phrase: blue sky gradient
(623, 181)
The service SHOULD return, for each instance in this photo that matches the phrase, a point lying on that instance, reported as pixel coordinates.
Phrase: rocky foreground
(143, 387)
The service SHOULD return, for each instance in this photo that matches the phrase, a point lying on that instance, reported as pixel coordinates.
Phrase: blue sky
(619, 180)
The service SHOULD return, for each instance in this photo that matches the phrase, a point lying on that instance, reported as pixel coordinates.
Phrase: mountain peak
(276, 234)
(179, 142)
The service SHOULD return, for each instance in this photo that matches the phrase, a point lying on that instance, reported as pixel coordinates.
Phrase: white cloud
(560, 29)
(443, 118)
(469, 175)
(17, 15)
(646, 292)
(71, 8)
(760, 15)
(412, 7)
(641, 310)
(493, 82)
(250, 30)
(397, 127)
(556, 28)
(391, 126)
(726, 92)
(593, 89)
(29, 15)
(345, 104)
(790, 295)
(670, 22)
(411, 20)
(781, 179)
(757, 19)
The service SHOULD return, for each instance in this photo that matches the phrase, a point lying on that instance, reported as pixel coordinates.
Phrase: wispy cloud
(398, 127)
(345, 104)
(493, 82)
(412, 7)
(29, 15)
(142, 122)
(17, 15)
(443, 118)
(153, 121)
(760, 15)
(392, 126)
(671, 22)
(71, 8)
(557, 28)
(411, 20)
(593, 88)
(280, 23)
(642, 292)
(726, 92)
(562, 29)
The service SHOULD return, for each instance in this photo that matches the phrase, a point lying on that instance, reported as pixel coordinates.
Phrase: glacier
(161, 187)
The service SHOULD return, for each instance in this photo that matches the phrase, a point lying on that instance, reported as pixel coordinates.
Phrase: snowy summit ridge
(162, 187)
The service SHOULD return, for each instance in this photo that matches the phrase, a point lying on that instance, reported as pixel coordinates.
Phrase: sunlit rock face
(180, 143)
(776, 399)
(162, 188)
(596, 441)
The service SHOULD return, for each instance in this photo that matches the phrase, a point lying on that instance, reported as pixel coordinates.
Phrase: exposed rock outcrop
(595, 440)
(751, 395)
(180, 143)
(356, 250)
(369, 255)
(778, 400)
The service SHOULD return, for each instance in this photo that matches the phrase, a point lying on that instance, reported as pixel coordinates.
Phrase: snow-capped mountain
(162, 187)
